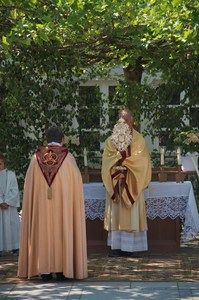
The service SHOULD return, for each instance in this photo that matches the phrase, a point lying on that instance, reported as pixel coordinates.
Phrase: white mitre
(122, 135)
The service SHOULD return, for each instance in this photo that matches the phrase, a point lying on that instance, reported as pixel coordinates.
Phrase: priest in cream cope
(126, 172)
(53, 235)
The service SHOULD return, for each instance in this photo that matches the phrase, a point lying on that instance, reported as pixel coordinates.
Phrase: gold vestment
(123, 213)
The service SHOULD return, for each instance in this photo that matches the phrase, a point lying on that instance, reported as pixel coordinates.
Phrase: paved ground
(164, 276)
(101, 291)
(179, 266)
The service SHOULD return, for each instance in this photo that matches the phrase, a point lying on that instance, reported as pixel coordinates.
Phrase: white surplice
(9, 218)
(128, 241)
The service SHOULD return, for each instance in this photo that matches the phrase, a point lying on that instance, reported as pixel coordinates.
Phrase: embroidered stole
(50, 159)
(119, 176)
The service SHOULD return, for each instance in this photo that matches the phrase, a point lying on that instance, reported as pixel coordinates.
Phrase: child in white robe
(9, 202)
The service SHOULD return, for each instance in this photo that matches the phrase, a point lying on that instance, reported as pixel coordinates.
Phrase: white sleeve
(12, 191)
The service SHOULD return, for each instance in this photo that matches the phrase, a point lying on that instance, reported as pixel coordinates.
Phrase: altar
(172, 215)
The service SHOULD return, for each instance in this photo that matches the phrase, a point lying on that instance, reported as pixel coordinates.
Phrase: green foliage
(188, 140)
(38, 92)
(45, 45)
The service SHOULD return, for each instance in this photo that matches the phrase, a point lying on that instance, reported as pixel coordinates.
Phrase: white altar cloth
(163, 199)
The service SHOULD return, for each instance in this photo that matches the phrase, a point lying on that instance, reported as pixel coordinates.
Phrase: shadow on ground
(179, 266)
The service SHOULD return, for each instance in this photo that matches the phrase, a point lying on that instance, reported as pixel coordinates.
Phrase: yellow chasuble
(125, 176)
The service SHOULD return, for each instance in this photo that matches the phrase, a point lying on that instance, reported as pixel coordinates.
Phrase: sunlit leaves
(4, 41)
(14, 13)
(68, 38)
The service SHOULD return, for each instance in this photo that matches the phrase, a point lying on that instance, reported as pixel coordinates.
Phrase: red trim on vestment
(122, 181)
(50, 159)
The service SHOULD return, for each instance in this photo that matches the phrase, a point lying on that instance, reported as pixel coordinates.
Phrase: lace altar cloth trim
(95, 208)
(171, 207)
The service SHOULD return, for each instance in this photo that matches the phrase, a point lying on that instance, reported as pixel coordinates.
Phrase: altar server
(9, 202)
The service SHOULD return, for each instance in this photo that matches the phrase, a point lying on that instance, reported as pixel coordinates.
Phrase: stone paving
(101, 290)
(164, 276)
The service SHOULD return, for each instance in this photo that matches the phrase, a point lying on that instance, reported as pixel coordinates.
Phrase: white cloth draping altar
(163, 199)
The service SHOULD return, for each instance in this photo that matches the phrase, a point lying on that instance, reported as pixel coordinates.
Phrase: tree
(48, 41)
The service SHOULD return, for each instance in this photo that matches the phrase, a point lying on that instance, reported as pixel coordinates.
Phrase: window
(168, 94)
(89, 107)
(175, 98)
(113, 109)
(194, 119)
(89, 117)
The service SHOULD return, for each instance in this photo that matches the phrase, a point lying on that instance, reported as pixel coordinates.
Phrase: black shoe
(115, 253)
(129, 254)
(15, 252)
(60, 276)
(46, 277)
